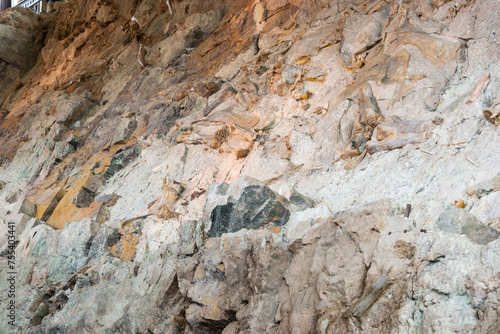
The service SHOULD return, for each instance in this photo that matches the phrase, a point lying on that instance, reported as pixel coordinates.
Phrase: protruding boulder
(87, 193)
(124, 131)
(28, 208)
(257, 206)
(454, 220)
(20, 39)
(121, 159)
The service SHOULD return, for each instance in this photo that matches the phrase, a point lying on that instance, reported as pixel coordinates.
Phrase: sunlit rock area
(250, 166)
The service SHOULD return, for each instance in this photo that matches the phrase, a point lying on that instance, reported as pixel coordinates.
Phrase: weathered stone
(74, 141)
(62, 150)
(304, 84)
(121, 159)
(454, 220)
(28, 208)
(83, 198)
(485, 188)
(300, 200)
(123, 131)
(256, 207)
(19, 37)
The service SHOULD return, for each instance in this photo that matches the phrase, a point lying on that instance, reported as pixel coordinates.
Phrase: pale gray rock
(455, 220)
(28, 208)
(123, 131)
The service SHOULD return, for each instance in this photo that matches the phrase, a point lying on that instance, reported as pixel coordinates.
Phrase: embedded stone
(256, 207)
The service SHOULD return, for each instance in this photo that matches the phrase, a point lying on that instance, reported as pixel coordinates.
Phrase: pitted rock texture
(243, 166)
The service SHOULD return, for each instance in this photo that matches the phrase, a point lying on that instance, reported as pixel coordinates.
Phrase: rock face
(244, 167)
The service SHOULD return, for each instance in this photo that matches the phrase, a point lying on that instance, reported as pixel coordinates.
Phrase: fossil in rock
(377, 290)
(485, 188)
(302, 60)
(397, 133)
(367, 119)
(247, 94)
(164, 206)
(354, 45)
(396, 126)
(492, 114)
(479, 88)
(459, 203)
(220, 137)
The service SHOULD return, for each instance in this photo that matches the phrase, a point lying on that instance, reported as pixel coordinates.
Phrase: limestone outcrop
(257, 166)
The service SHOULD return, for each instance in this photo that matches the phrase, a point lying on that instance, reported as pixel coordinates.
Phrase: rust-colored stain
(65, 211)
(125, 248)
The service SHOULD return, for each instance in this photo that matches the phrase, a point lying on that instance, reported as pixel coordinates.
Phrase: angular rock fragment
(300, 200)
(83, 198)
(188, 231)
(87, 193)
(53, 204)
(454, 220)
(121, 159)
(28, 208)
(123, 131)
(62, 150)
(256, 207)
(74, 141)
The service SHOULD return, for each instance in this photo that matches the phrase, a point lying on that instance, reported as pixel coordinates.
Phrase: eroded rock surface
(244, 166)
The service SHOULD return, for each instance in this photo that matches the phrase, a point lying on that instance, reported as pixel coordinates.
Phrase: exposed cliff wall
(188, 166)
